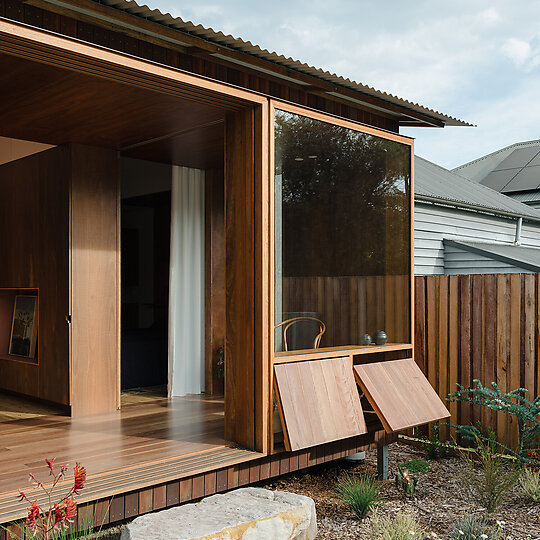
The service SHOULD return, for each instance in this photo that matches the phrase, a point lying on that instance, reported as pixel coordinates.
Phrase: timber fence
(485, 327)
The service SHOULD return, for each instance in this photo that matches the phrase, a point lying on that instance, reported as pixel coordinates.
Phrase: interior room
(150, 237)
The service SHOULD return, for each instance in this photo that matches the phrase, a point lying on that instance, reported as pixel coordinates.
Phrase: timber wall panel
(483, 326)
(95, 280)
(34, 232)
(239, 279)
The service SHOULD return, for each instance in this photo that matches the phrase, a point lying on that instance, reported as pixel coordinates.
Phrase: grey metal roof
(237, 44)
(526, 197)
(433, 183)
(501, 167)
(522, 257)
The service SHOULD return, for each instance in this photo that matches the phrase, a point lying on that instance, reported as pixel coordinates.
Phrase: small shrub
(471, 528)
(514, 403)
(492, 483)
(360, 493)
(533, 460)
(416, 466)
(530, 484)
(406, 482)
(400, 527)
(434, 448)
(52, 521)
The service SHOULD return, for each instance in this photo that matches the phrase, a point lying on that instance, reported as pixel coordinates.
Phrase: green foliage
(401, 527)
(86, 533)
(434, 448)
(471, 528)
(513, 403)
(360, 493)
(406, 482)
(529, 482)
(416, 466)
(491, 484)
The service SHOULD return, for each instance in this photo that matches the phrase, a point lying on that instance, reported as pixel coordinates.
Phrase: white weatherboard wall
(433, 223)
(186, 296)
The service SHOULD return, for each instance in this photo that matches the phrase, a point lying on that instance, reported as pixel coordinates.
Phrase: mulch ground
(439, 500)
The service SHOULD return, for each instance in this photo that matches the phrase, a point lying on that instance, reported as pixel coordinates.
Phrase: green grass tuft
(416, 466)
(360, 493)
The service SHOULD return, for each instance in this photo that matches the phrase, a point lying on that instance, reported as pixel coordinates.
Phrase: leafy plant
(52, 522)
(491, 484)
(471, 528)
(400, 527)
(529, 482)
(489, 436)
(360, 493)
(416, 466)
(513, 403)
(221, 363)
(86, 532)
(434, 448)
(533, 462)
(406, 482)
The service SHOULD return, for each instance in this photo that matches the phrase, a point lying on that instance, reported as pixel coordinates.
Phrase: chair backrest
(290, 322)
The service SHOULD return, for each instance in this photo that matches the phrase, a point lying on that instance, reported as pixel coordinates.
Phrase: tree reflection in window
(342, 210)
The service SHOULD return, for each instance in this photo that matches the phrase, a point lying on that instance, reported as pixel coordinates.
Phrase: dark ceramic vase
(380, 337)
(365, 339)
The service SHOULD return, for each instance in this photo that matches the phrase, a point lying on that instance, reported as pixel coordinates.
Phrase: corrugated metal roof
(237, 44)
(525, 197)
(522, 257)
(432, 181)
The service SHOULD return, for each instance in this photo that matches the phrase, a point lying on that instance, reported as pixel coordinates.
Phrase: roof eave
(491, 255)
(475, 207)
(161, 26)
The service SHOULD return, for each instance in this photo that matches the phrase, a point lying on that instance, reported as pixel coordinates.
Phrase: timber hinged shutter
(319, 401)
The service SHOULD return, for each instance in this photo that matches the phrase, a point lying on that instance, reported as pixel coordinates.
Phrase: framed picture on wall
(24, 326)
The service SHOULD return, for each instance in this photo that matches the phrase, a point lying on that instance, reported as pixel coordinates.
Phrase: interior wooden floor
(143, 444)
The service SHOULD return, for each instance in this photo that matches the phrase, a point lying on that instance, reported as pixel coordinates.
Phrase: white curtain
(186, 294)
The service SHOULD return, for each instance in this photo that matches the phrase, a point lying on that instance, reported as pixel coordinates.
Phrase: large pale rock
(247, 514)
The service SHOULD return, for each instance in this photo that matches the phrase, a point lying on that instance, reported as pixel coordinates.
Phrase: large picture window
(342, 235)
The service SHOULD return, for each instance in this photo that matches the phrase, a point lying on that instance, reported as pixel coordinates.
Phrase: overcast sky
(476, 60)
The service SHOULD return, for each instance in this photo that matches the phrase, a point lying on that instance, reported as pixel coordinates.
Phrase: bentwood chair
(286, 325)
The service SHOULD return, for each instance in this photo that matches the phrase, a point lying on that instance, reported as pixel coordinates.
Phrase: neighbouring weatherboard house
(463, 227)
(181, 205)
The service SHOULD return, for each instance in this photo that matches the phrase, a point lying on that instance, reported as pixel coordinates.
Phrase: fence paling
(485, 327)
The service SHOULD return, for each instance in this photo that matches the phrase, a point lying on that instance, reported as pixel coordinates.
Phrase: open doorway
(173, 267)
(146, 225)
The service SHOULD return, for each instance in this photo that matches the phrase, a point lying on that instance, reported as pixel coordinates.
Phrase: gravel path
(438, 503)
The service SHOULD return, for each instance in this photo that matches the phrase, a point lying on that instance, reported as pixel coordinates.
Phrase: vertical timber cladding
(34, 239)
(247, 353)
(94, 280)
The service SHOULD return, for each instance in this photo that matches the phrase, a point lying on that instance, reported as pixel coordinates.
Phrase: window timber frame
(331, 352)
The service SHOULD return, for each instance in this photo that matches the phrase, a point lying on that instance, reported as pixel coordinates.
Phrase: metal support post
(382, 462)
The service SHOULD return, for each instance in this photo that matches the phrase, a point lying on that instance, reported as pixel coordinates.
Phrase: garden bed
(438, 503)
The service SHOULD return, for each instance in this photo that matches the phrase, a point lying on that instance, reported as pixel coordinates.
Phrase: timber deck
(141, 445)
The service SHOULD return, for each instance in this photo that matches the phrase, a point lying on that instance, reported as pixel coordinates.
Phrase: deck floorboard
(144, 444)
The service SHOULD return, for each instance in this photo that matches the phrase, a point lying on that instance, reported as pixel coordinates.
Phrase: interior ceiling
(52, 105)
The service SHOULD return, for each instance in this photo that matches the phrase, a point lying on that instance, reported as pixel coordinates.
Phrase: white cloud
(516, 50)
(475, 60)
(491, 16)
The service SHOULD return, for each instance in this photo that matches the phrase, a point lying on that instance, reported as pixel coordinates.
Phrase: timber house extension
(208, 231)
